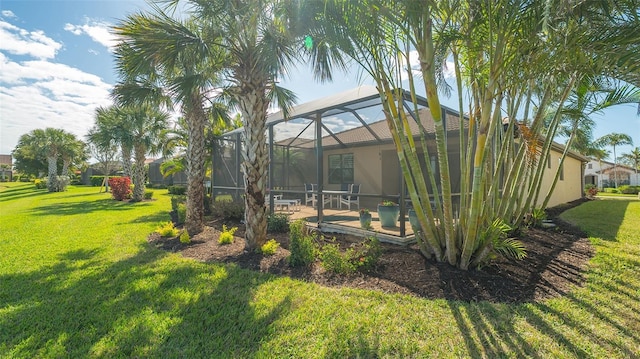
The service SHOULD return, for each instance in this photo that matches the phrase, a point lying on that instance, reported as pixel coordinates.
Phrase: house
(604, 174)
(344, 138)
(6, 166)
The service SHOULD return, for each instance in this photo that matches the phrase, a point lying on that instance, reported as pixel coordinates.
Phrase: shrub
(610, 190)
(182, 213)
(536, 217)
(360, 256)
(626, 189)
(167, 230)
(96, 181)
(278, 223)
(40, 183)
(301, 244)
(270, 247)
(148, 194)
(184, 237)
(120, 188)
(176, 200)
(177, 189)
(591, 190)
(228, 210)
(333, 260)
(226, 237)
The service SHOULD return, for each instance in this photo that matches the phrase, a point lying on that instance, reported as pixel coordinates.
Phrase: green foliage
(626, 189)
(611, 190)
(177, 190)
(270, 247)
(359, 256)
(167, 229)
(184, 237)
(228, 210)
(176, 200)
(96, 181)
(148, 194)
(336, 261)
(535, 218)
(226, 237)
(182, 213)
(387, 203)
(510, 248)
(40, 183)
(301, 244)
(278, 223)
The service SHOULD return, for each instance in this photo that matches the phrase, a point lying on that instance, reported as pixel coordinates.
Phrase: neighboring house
(349, 133)
(603, 174)
(6, 168)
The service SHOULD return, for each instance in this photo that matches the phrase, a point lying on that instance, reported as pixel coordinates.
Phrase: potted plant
(388, 212)
(365, 218)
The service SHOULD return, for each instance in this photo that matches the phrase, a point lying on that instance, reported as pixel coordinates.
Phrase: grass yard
(78, 279)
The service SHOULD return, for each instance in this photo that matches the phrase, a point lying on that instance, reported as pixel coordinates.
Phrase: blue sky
(56, 67)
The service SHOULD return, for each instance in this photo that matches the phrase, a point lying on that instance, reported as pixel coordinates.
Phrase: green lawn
(77, 279)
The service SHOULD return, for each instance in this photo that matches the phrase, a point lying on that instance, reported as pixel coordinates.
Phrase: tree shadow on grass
(137, 307)
(21, 192)
(602, 218)
(71, 208)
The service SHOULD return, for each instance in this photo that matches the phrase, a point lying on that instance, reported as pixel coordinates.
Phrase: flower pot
(388, 215)
(365, 220)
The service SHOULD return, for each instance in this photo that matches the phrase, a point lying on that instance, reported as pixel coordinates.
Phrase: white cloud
(22, 42)
(98, 31)
(42, 93)
(8, 13)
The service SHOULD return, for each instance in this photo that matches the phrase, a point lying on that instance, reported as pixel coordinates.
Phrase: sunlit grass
(78, 279)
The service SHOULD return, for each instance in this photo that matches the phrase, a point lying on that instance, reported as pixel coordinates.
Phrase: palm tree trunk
(138, 174)
(52, 183)
(253, 106)
(196, 153)
(126, 161)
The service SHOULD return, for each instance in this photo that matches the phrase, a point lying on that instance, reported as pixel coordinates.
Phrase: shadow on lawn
(82, 307)
(21, 192)
(71, 208)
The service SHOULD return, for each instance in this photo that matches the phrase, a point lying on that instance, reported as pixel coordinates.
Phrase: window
(341, 168)
(549, 161)
(562, 172)
(590, 165)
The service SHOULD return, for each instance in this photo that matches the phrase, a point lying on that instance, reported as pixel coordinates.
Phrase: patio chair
(310, 194)
(352, 197)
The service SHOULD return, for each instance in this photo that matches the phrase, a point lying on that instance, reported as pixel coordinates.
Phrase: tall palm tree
(258, 48)
(164, 61)
(613, 140)
(632, 158)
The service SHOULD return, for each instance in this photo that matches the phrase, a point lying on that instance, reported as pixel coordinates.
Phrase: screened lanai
(332, 157)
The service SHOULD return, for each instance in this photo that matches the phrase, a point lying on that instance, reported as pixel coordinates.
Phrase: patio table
(333, 194)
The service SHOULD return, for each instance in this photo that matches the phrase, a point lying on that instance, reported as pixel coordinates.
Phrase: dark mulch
(556, 260)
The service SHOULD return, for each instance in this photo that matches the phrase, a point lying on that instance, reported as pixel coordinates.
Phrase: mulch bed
(554, 265)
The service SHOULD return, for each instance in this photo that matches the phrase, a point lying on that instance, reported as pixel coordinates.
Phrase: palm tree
(258, 48)
(613, 140)
(514, 46)
(590, 95)
(164, 60)
(632, 158)
(145, 125)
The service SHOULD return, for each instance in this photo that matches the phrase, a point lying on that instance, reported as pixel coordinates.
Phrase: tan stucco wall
(566, 190)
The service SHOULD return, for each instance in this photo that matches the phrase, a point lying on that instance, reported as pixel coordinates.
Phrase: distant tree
(41, 149)
(632, 159)
(613, 140)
